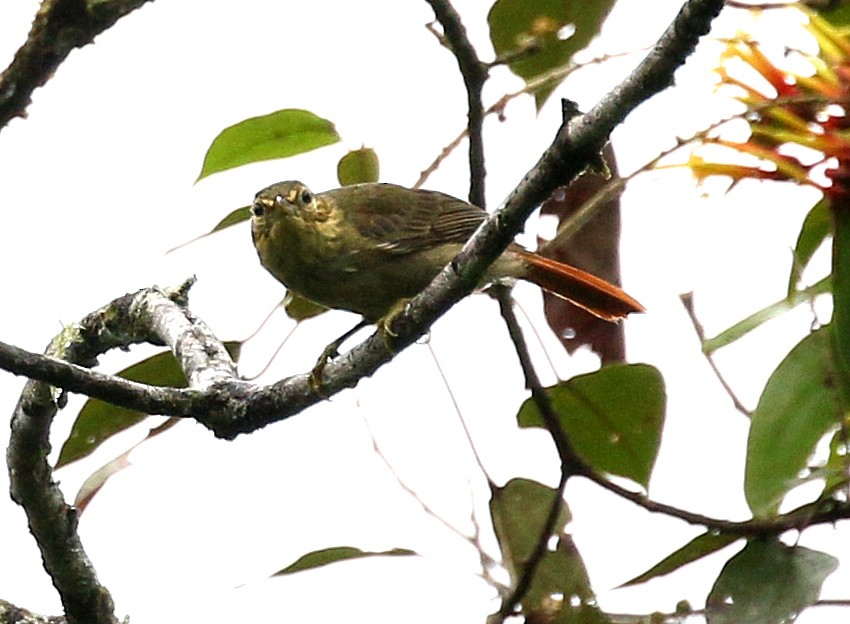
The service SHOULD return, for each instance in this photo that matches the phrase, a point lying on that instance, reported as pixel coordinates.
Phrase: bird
(368, 248)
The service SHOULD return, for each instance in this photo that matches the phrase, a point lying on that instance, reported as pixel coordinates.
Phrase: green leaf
(95, 481)
(816, 227)
(237, 216)
(358, 166)
(742, 328)
(550, 32)
(520, 511)
(98, 421)
(835, 472)
(319, 558)
(697, 548)
(613, 417)
(768, 583)
(838, 16)
(277, 135)
(299, 309)
(799, 405)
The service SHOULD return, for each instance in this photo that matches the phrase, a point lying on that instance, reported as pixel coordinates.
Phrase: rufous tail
(587, 291)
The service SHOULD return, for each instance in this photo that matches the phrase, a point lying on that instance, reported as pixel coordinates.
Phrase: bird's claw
(315, 380)
(385, 324)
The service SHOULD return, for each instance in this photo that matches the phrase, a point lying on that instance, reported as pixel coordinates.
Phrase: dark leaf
(93, 484)
(596, 249)
(837, 12)
(277, 135)
(560, 589)
(768, 583)
(697, 548)
(98, 421)
(319, 558)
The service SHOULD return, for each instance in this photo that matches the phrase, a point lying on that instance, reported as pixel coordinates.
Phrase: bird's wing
(401, 220)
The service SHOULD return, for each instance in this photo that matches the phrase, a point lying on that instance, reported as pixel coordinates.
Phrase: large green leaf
(98, 421)
(613, 417)
(319, 558)
(233, 218)
(768, 583)
(277, 135)
(358, 166)
(699, 547)
(799, 405)
(551, 31)
(560, 588)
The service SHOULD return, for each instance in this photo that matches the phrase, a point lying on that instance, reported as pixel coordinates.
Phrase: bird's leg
(329, 353)
(385, 323)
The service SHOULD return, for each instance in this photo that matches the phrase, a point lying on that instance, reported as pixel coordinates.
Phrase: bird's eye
(257, 209)
(306, 196)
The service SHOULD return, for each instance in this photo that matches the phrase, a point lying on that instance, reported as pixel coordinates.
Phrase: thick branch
(147, 316)
(474, 74)
(10, 614)
(230, 407)
(576, 146)
(59, 27)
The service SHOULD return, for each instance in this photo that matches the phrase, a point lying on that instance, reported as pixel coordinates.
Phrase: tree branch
(576, 146)
(58, 27)
(230, 407)
(570, 461)
(10, 614)
(474, 73)
(151, 315)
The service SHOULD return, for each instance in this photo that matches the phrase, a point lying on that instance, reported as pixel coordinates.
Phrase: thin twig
(687, 300)
(273, 356)
(58, 28)
(473, 540)
(474, 73)
(459, 415)
(498, 107)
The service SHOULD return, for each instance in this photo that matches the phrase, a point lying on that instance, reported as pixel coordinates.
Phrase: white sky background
(98, 183)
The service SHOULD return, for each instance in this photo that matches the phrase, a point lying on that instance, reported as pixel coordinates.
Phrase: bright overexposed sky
(98, 183)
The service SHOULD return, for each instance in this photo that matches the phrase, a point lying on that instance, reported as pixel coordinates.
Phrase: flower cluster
(798, 125)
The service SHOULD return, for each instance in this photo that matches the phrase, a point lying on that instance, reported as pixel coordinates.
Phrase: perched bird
(368, 247)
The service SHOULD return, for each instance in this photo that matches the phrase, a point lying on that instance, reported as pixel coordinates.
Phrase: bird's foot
(385, 323)
(330, 352)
